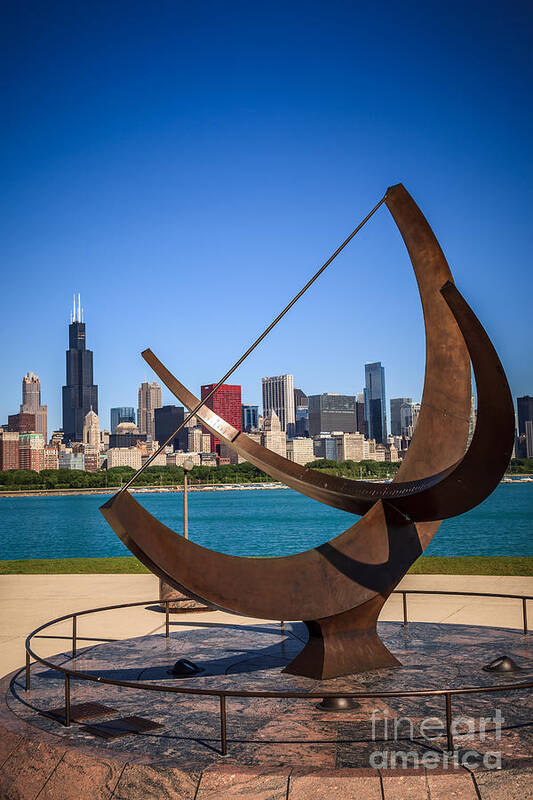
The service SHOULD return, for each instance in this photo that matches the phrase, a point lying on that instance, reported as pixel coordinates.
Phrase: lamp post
(187, 466)
(167, 593)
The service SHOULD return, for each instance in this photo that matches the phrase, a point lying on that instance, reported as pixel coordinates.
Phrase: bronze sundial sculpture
(339, 588)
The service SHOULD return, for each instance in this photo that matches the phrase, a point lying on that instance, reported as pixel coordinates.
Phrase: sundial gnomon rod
(254, 345)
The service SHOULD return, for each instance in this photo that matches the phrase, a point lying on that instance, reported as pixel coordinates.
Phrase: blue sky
(187, 166)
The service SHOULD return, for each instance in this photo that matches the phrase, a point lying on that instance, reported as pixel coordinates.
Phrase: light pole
(167, 593)
(187, 466)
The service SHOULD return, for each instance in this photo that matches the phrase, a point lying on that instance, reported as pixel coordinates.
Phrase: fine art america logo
(389, 730)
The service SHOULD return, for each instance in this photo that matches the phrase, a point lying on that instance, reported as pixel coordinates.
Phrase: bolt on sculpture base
(339, 588)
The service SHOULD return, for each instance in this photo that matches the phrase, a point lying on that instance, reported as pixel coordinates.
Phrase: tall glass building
(121, 414)
(250, 417)
(80, 393)
(166, 420)
(375, 406)
(395, 422)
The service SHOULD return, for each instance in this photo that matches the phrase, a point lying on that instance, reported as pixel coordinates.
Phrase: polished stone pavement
(286, 748)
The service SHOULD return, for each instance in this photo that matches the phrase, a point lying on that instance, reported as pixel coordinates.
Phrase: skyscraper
(80, 393)
(525, 412)
(9, 450)
(278, 396)
(121, 414)
(331, 412)
(301, 427)
(149, 400)
(167, 419)
(360, 413)
(301, 414)
(250, 417)
(91, 442)
(91, 430)
(529, 438)
(300, 399)
(409, 413)
(31, 451)
(273, 438)
(395, 423)
(226, 402)
(375, 405)
(31, 402)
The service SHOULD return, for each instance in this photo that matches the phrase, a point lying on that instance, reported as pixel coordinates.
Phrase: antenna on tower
(79, 307)
(73, 312)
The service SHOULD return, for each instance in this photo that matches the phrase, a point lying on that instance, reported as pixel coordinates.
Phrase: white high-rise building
(278, 396)
(149, 400)
(91, 429)
(272, 437)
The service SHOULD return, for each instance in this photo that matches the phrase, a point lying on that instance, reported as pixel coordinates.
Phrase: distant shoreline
(207, 487)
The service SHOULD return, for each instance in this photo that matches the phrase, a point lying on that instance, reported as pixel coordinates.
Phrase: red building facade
(31, 451)
(9, 450)
(226, 402)
(24, 422)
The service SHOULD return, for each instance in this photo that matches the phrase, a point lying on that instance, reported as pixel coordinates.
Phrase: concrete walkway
(27, 601)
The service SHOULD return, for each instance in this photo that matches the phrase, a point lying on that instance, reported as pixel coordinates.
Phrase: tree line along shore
(20, 480)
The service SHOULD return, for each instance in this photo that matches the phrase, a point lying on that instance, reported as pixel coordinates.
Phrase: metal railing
(222, 694)
(522, 597)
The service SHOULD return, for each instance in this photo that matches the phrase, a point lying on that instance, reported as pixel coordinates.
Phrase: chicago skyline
(318, 414)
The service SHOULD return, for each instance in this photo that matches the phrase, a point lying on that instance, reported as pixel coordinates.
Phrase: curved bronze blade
(350, 569)
(480, 470)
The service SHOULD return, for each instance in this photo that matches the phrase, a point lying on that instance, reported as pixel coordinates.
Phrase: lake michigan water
(253, 523)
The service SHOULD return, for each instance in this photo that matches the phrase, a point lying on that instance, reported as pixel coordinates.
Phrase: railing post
(167, 621)
(67, 700)
(404, 600)
(27, 671)
(224, 741)
(74, 633)
(524, 613)
(449, 735)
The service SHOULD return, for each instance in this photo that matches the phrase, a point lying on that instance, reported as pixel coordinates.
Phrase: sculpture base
(343, 645)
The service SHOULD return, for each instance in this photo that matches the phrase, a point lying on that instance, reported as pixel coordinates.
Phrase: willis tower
(80, 394)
